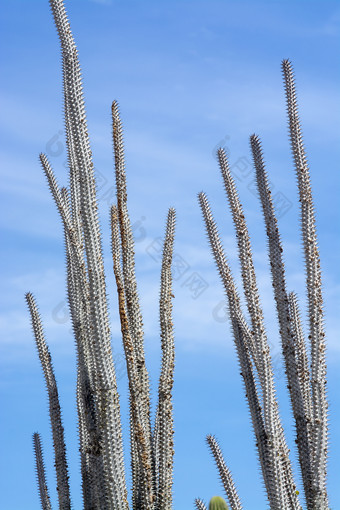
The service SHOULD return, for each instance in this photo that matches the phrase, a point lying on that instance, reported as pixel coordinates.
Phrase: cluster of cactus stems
(99, 422)
(305, 373)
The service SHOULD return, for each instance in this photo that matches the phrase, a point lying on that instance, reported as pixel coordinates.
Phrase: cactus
(99, 423)
(217, 503)
(307, 387)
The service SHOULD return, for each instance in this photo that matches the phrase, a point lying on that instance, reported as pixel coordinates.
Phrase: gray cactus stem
(314, 294)
(200, 505)
(286, 330)
(107, 395)
(268, 441)
(225, 474)
(302, 361)
(144, 447)
(41, 475)
(263, 363)
(128, 261)
(163, 430)
(54, 407)
(91, 458)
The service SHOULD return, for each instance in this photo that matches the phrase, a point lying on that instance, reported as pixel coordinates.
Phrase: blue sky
(189, 76)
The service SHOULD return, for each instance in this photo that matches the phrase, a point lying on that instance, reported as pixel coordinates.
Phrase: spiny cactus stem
(41, 475)
(200, 505)
(270, 439)
(263, 364)
(136, 397)
(314, 294)
(128, 268)
(54, 407)
(218, 503)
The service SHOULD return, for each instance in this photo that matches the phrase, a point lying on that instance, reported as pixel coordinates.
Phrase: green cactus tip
(217, 503)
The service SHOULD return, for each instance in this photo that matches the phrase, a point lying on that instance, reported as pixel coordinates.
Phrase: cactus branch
(263, 364)
(128, 262)
(41, 476)
(225, 474)
(282, 305)
(314, 294)
(200, 505)
(268, 441)
(301, 355)
(91, 461)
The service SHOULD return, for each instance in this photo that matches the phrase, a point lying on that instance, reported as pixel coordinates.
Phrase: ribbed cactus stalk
(307, 387)
(99, 424)
(217, 503)
(41, 476)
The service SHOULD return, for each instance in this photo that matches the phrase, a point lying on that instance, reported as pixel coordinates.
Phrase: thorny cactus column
(40, 467)
(99, 423)
(307, 388)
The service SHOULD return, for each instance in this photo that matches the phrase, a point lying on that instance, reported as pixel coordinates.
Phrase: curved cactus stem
(225, 474)
(273, 458)
(247, 268)
(41, 476)
(163, 431)
(54, 407)
(218, 503)
(263, 359)
(79, 302)
(314, 296)
(286, 331)
(225, 272)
